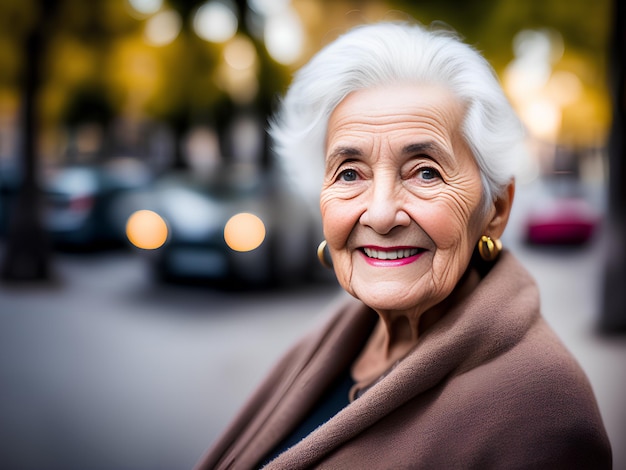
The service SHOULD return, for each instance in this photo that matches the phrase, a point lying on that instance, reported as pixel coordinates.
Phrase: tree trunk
(27, 254)
(613, 312)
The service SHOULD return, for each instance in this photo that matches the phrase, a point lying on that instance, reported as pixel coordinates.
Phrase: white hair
(393, 53)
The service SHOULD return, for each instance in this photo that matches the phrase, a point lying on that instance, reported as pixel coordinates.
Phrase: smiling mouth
(391, 254)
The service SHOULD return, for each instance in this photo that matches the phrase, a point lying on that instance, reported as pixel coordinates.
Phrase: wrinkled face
(401, 196)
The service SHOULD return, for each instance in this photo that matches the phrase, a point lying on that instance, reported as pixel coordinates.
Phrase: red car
(563, 221)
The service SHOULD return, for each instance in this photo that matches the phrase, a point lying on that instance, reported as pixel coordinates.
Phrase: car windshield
(74, 180)
(225, 182)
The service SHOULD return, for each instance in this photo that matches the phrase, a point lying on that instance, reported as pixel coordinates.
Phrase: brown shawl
(488, 386)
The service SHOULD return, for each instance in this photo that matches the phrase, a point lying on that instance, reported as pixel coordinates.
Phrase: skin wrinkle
(386, 137)
(433, 128)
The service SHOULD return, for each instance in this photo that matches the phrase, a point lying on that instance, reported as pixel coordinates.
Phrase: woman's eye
(348, 175)
(428, 174)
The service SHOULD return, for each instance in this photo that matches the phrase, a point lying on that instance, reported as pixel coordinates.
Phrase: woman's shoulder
(538, 400)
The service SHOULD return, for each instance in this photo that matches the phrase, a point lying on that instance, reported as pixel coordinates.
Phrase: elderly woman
(440, 357)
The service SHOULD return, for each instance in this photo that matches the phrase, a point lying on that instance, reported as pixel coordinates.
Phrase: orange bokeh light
(146, 229)
(244, 232)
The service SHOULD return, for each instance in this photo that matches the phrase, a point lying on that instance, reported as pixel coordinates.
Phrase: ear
(501, 211)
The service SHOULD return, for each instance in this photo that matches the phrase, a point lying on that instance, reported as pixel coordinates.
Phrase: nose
(384, 207)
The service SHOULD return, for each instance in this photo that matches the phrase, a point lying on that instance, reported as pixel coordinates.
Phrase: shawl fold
(488, 386)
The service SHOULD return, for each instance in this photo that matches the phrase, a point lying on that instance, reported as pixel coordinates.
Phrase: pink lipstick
(391, 256)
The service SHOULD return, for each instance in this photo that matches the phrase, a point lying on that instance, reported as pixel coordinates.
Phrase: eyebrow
(345, 152)
(428, 148)
(417, 148)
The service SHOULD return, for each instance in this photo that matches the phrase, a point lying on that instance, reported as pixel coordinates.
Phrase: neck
(397, 332)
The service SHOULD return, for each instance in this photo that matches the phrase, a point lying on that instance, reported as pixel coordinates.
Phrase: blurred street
(105, 369)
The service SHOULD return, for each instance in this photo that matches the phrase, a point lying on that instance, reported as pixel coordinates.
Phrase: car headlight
(244, 232)
(146, 229)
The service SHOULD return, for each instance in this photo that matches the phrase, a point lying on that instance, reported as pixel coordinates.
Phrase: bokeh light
(543, 118)
(284, 37)
(163, 28)
(146, 7)
(237, 74)
(565, 87)
(216, 21)
(244, 232)
(268, 7)
(240, 53)
(545, 89)
(146, 230)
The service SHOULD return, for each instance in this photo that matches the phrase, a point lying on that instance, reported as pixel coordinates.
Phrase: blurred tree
(78, 89)
(187, 93)
(27, 255)
(613, 313)
(16, 20)
(88, 104)
(192, 95)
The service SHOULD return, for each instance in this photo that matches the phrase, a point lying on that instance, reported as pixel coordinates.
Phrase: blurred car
(197, 206)
(562, 221)
(10, 181)
(80, 201)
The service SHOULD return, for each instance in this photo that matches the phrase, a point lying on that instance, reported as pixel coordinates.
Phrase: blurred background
(154, 260)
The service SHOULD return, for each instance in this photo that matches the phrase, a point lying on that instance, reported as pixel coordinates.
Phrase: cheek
(447, 224)
(338, 219)
(454, 224)
(454, 235)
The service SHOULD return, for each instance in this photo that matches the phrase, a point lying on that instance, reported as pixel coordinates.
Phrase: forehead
(411, 109)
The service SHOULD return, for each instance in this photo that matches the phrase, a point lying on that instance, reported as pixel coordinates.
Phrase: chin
(386, 297)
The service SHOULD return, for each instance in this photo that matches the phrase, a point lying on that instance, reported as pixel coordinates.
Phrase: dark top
(334, 400)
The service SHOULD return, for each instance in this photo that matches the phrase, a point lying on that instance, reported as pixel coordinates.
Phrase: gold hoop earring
(488, 248)
(323, 255)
